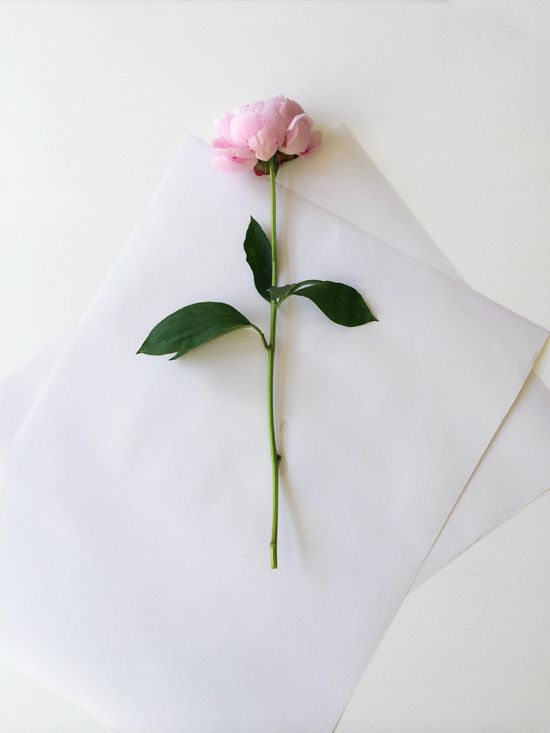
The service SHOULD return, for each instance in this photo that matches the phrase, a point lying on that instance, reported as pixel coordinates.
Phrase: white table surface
(452, 101)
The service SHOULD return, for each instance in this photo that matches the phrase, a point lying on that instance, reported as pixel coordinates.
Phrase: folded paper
(135, 508)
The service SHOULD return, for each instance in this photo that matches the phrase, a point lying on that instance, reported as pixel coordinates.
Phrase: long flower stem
(270, 370)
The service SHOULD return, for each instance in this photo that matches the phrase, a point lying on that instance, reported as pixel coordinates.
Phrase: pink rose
(255, 133)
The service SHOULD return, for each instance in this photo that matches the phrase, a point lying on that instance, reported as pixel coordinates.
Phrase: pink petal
(298, 135)
(232, 163)
(263, 144)
(288, 109)
(273, 123)
(314, 143)
(245, 123)
(227, 148)
(223, 125)
(221, 142)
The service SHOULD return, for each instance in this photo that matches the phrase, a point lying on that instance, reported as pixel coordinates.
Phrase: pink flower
(254, 134)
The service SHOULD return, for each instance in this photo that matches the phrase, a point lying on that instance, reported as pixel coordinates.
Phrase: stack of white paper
(136, 504)
(516, 467)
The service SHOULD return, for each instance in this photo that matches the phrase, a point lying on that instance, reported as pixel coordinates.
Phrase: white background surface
(451, 100)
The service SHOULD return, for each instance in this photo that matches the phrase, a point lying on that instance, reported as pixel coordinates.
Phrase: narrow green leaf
(258, 255)
(341, 303)
(192, 326)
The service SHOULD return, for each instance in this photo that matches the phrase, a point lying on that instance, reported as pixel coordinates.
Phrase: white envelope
(136, 505)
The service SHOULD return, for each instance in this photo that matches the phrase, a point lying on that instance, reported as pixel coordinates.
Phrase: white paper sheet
(20, 389)
(135, 514)
(341, 178)
(515, 470)
(516, 467)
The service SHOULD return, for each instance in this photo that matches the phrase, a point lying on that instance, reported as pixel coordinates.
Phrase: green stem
(264, 342)
(270, 369)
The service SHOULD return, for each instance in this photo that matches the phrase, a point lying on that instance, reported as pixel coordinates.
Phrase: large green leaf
(282, 292)
(258, 256)
(341, 303)
(192, 326)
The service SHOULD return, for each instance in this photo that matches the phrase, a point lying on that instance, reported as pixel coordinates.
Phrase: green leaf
(192, 326)
(282, 292)
(341, 303)
(258, 255)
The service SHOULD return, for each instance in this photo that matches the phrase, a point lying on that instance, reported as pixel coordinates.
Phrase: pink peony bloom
(255, 133)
